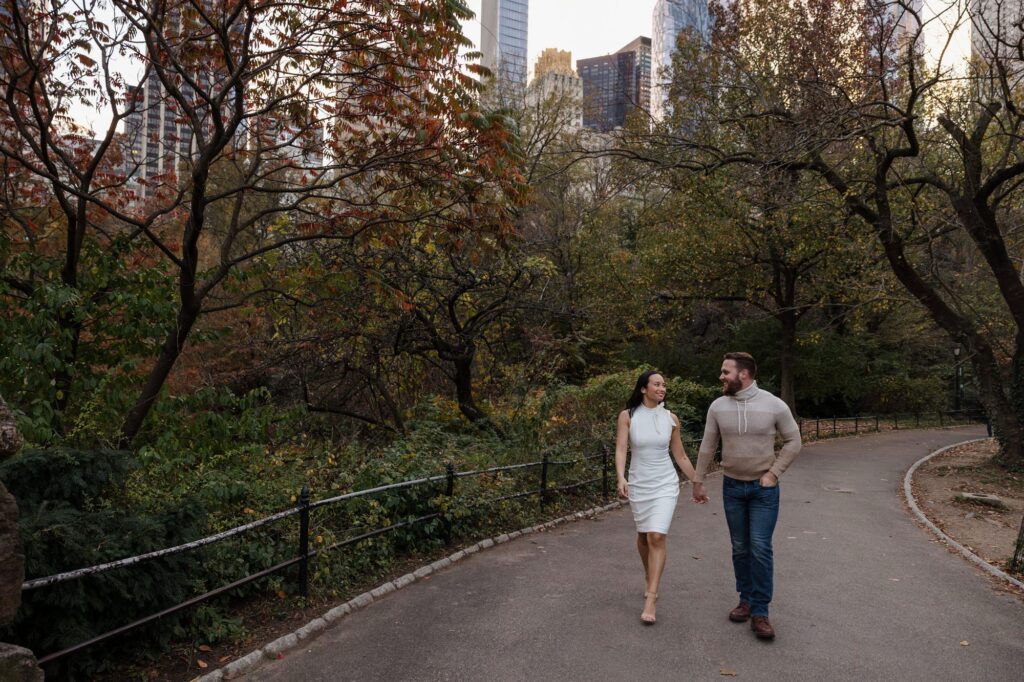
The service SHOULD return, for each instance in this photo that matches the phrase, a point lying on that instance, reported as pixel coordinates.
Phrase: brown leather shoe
(740, 614)
(762, 627)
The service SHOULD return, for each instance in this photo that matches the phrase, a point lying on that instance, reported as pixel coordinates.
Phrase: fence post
(604, 472)
(988, 427)
(941, 423)
(856, 425)
(876, 424)
(304, 542)
(544, 481)
(833, 425)
(449, 491)
(896, 422)
(817, 427)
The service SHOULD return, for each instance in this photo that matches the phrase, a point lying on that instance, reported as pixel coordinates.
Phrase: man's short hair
(743, 361)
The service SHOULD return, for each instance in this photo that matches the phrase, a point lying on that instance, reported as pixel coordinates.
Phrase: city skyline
(579, 26)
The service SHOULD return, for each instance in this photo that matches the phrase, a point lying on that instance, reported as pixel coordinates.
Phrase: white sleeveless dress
(653, 481)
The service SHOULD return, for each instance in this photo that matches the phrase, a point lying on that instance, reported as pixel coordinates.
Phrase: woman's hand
(623, 489)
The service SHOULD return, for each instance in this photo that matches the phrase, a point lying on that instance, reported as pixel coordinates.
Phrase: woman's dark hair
(637, 398)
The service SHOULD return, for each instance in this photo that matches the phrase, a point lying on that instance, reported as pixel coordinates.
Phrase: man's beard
(732, 387)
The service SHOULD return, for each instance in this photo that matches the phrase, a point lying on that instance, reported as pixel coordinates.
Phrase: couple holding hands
(746, 420)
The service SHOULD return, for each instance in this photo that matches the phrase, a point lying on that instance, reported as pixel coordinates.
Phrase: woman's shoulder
(675, 419)
(624, 415)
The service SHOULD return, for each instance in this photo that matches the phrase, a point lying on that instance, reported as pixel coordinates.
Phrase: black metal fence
(447, 491)
(543, 488)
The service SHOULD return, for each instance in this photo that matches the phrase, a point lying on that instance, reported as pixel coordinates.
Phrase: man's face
(730, 378)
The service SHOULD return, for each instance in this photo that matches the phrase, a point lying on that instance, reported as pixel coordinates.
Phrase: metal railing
(544, 490)
(810, 429)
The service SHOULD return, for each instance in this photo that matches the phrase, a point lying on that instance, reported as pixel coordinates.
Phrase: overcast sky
(587, 28)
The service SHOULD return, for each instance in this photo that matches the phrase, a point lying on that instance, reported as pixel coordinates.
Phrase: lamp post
(958, 373)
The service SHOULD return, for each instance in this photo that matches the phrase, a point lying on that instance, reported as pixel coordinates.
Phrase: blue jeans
(751, 511)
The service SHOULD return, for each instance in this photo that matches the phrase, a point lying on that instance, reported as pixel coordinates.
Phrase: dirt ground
(990, 533)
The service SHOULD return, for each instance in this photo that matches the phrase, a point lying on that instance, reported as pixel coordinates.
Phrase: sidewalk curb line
(966, 553)
(278, 647)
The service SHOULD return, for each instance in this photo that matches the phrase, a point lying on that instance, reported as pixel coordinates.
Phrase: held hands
(700, 496)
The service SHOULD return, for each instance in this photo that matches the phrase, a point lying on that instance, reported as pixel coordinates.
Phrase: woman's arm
(678, 453)
(621, 444)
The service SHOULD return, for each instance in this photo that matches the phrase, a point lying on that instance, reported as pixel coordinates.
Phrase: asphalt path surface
(861, 593)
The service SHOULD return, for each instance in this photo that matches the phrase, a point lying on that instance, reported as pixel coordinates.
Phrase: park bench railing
(811, 429)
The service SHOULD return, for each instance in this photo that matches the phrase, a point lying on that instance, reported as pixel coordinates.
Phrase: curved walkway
(862, 593)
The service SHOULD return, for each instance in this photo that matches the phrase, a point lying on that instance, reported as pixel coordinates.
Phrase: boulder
(12, 559)
(18, 665)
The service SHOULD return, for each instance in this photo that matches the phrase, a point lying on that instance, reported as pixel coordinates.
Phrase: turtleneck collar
(747, 393)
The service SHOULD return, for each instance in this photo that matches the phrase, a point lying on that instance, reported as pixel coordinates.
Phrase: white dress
(653, 481)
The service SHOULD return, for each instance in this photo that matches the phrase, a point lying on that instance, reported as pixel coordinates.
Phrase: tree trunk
(1009, 424)
(169, 354)
(464, 388)
(787, 353)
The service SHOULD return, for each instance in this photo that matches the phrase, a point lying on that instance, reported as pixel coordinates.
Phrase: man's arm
(708, 447)
(791, 444)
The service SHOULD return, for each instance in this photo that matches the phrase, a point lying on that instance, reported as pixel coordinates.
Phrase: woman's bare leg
(655, 565)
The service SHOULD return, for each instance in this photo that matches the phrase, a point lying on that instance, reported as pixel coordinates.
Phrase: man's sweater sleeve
(787, 427)
(708, 446)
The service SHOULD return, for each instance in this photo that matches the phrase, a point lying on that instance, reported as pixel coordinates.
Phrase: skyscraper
(503, 38)
(616, 85)
(554, 79)
(995, 27)
(671, 17)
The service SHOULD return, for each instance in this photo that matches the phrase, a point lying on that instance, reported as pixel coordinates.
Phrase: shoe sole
(764, 637)
(738, 619)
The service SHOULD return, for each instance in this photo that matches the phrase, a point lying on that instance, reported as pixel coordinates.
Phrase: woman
(650, 432)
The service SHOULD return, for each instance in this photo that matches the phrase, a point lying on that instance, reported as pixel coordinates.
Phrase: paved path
(862, 593)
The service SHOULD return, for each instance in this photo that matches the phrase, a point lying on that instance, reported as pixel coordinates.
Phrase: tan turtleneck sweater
(747, 424)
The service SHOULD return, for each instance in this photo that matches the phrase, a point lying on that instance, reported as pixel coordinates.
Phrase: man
(747, 420)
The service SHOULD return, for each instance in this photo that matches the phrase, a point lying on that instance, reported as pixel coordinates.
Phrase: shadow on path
(862, 593)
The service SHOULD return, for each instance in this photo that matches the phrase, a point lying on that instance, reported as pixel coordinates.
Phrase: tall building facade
(554, 78)
(670, 17)
(616, 85)
(996, 29)
(503, 40)
(553, 60)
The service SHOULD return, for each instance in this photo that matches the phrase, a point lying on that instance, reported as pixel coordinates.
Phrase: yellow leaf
(964, 642)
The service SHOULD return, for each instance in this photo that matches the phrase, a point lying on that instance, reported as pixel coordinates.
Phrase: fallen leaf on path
(791, 537)
(725, 672)
(697, 558)
(964, 642)
(202, 664)
(224, 659)
(205, 647)
(895, 580)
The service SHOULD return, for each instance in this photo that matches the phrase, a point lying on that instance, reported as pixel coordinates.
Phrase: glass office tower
(671, 17)
(503, 27)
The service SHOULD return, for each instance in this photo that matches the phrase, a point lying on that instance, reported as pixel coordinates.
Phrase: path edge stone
(277, 648)
(908, 495)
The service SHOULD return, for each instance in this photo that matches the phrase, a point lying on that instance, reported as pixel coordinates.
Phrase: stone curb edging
(279, 646)
(966, 553)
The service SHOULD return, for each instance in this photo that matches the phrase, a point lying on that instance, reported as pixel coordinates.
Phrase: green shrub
(70, 517)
